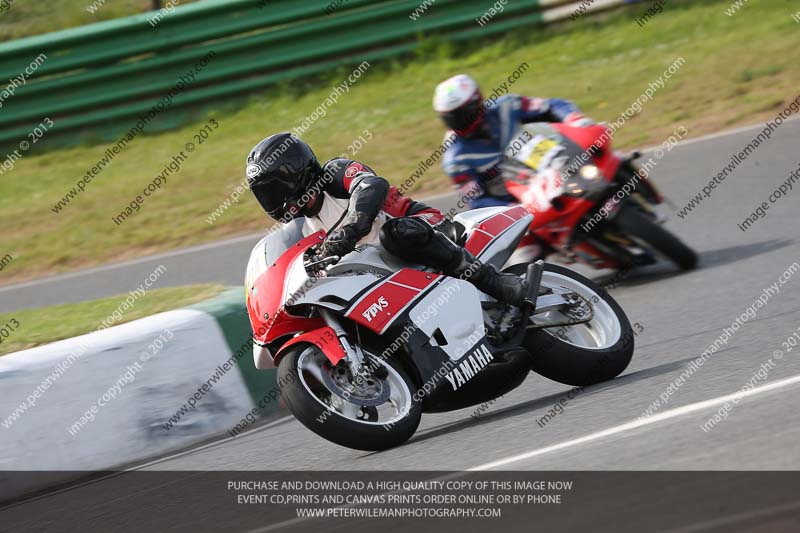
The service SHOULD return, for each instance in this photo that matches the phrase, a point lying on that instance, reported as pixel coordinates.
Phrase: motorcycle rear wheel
(580, 354)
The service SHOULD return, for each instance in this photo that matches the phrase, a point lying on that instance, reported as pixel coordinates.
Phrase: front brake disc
(369, 391)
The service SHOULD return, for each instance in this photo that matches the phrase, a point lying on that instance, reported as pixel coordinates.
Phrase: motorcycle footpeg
(534, 278)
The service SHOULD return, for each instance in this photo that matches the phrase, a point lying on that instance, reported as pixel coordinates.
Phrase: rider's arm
(367, 196)
(468, 179)
(367, 193)
(464, 177)
(549, 110)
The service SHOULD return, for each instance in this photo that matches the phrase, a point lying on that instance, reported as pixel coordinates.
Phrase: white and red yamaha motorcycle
(364, 344)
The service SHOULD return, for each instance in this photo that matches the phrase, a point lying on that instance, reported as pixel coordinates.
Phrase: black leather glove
(341, 241)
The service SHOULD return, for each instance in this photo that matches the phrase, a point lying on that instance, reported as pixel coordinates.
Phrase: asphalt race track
(680, 314)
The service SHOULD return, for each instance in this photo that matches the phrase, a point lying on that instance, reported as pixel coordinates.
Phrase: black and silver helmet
(280, 169)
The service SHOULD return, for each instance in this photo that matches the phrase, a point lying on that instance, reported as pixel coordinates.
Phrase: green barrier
(230, 312)
(118, 70)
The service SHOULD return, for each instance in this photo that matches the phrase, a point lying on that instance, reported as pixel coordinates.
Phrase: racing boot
(505, 288)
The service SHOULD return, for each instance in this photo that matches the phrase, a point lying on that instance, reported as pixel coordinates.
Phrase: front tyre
(364, 413)
(632, 222)
(579, 354)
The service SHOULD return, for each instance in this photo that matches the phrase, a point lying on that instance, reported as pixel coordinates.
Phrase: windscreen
(271, 247)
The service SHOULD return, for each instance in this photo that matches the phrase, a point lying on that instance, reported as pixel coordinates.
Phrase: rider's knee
(404, 232)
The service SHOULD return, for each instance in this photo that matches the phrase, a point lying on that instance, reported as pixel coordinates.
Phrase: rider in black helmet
(353, 205)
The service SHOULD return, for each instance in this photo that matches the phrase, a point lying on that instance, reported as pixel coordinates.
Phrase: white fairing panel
(257, 264)
(501, 248)
(454, 309)
(296, 281)
(354, 273)
(270, 248)
(262, 357)
(332, 292)
(470, 219)
(498, 252)
(329, 291)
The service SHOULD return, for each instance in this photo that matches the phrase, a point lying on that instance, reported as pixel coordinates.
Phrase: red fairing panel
(323, 338)
(387, 300)
(268, 317)
(585, 138)
(492, 227)
(477, 242)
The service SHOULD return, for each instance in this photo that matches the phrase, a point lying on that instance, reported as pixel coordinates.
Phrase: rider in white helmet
(479, 132)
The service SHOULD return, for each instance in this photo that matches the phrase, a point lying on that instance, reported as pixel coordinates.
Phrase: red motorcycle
(590, 204)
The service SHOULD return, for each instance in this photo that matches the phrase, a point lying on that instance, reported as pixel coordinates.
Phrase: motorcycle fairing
(356, 286)
(376, 302)
(578, 146)
(266, 296)
(270, 248)
(323, 338)
(494, 232)
(476, 376)
(585, 138)
(450, 316)
(388, 299)
(455, 364)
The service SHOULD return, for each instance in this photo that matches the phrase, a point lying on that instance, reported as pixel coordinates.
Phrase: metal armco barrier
(119, 69)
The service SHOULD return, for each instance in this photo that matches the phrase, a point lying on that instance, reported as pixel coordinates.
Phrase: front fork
(648, 190)
(353, 354)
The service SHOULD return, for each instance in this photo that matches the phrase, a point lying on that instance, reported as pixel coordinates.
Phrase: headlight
(590, 172)
(588, 181)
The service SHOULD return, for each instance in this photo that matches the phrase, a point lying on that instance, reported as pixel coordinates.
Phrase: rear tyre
(584, 353)
(325, 400)
(633, 222)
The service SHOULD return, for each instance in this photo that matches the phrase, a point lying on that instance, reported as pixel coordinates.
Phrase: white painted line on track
(639, 422)
(588, 438)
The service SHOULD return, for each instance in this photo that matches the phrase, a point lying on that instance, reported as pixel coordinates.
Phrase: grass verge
(737, 70)
(49, 324)
(24, 18)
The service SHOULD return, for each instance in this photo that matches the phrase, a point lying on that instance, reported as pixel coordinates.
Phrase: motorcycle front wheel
(633, 222)
(365, 412)
(578, 353)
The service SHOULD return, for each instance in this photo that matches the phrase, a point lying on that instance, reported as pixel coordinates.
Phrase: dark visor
(273, 195)
(462, 118)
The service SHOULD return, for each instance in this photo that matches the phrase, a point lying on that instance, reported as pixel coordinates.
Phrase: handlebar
(318, 262)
